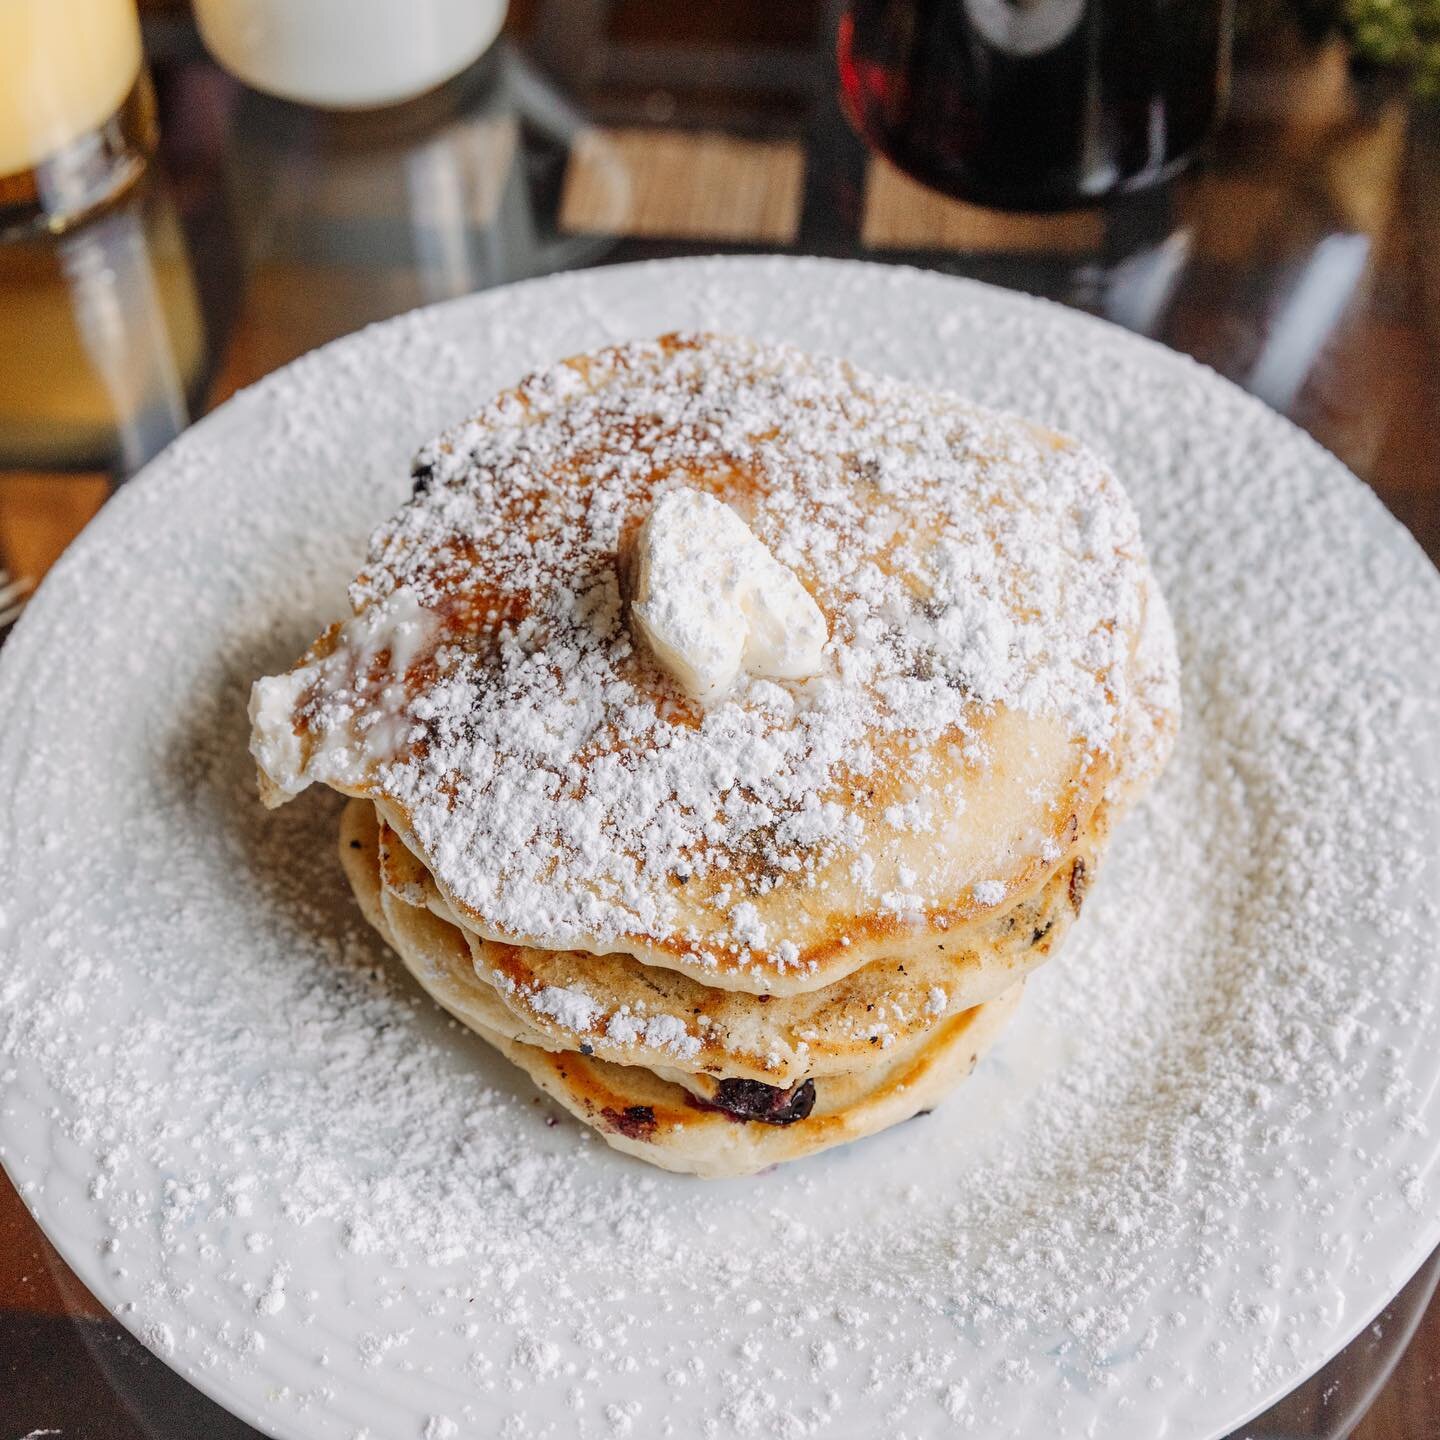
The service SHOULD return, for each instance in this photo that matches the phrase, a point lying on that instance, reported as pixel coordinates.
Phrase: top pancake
(982, 582)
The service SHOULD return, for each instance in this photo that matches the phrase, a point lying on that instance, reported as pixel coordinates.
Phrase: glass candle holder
(103, 347)
(77, 116)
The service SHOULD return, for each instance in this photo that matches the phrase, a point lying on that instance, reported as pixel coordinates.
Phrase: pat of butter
(711, 601)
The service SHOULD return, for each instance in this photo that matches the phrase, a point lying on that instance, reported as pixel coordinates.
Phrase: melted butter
(366, 716)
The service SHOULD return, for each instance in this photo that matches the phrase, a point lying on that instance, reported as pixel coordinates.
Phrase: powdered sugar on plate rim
(1201, 1161)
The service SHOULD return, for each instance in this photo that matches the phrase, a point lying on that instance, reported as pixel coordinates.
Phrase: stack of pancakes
(730, 934)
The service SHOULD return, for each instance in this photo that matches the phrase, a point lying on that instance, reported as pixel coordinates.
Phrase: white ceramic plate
(1198, 1164)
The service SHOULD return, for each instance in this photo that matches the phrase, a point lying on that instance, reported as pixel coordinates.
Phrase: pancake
(670, 1118)
(729, 733)
(434, 950)
(634, 1014)
(1152, 720)
(645, 1116)
(982, 582)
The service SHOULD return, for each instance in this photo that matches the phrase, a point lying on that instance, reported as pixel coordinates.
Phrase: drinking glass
(1036, 104)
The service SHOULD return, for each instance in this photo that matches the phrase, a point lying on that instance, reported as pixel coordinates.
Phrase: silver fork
(13, 595)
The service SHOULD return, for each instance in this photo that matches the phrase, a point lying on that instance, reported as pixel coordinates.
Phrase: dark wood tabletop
(1302, 260)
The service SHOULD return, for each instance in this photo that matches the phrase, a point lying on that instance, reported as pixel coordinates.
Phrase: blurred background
(194, 194)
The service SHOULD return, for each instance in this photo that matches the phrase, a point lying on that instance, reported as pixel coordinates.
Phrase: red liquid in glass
(1035, 104)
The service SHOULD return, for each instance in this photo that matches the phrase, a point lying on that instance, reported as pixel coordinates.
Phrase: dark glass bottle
(1036, 104)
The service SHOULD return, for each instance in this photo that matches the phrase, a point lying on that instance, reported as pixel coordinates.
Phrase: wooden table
(1303, 262)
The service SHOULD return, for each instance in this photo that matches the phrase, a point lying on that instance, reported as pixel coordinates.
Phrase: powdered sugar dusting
(571, 1006)
(963, 560)
(1191, 1170)
(990, 892)
(579, 1012)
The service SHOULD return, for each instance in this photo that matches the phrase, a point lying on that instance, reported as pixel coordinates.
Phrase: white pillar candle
(347, 54)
